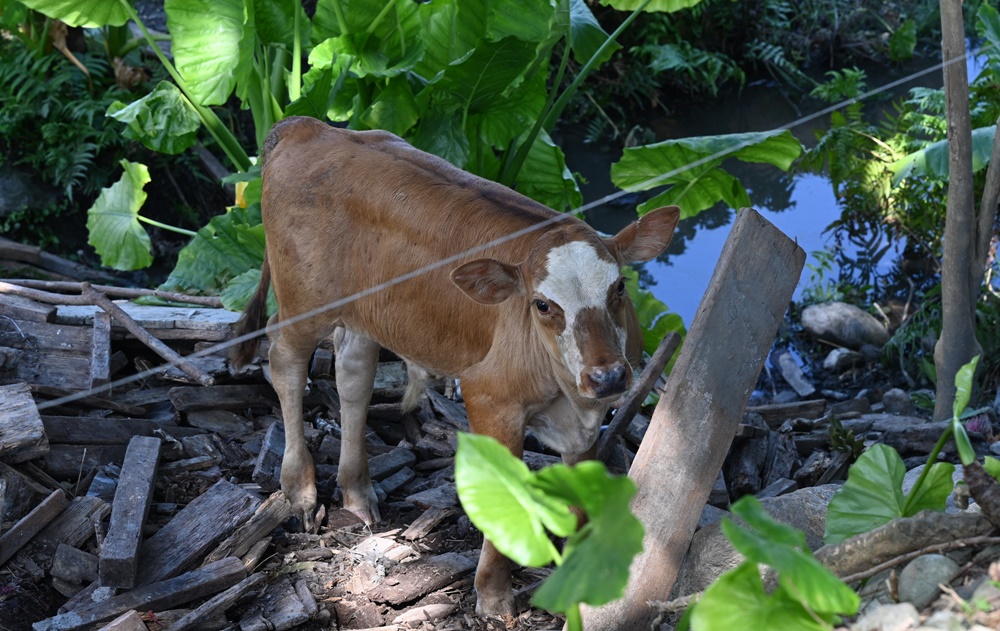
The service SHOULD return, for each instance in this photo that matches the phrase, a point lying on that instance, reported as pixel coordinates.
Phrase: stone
(842, 359)
(711, 554)
(889, 618)
(844, 324)
(897, 401)
(919, 580)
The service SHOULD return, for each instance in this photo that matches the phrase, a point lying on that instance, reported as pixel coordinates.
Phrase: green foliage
(808, 596)
(654, 316)
(903, 41)
(163, 120)
(691, 167)
(873, 494)
(113, 221)
(516, 510)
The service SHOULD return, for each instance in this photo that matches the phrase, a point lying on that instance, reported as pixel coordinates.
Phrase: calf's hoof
(495, 604)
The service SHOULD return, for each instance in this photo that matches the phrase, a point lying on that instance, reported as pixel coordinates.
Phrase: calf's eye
(542, 306)
(621, 287)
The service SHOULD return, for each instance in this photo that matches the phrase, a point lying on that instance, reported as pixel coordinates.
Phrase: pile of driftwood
(128, 489)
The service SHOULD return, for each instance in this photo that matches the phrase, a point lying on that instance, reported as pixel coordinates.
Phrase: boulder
(844, 324)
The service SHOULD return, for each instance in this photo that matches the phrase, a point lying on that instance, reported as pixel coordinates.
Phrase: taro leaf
(113, 224)
(528, 20)
(451, 29)
(206, 38)
(992, 466)
(596, 559)
(691, 168)
(225, 248)
(932, 160)
(496, 494)
(394, 109)
(903, 41)
(241, 289)
(654, 316)
(163, 120)
(966, 454)
(933, 492)
(521, 109)
(784, 549)
(440, 132)
(545, 178)
(85, 13)
(481, 82)
(586, 34)
(872, 495)
(274, 21)
(656, 5)
(963, 386)
(737, 601)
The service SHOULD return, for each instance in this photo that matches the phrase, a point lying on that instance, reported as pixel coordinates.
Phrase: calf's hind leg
(289, 358)
(356, 358)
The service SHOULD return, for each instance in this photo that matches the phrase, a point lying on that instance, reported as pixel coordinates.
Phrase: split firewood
(21, 427)
(31, 524)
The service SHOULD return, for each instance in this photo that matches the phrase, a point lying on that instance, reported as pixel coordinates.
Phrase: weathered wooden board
(422, 577)
(166, 323)
(702, 404)
(31, 524)
(73, 565)
(69, 462)
(22, 435)
(203, 581)
(73, 526)
(87, 430)
(120, 550)
(187, 398)
(22, 309)
(51, 354)
(195, 530)
(266, 518)
(100, 354)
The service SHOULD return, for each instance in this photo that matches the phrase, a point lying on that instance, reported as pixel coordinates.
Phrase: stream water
(800, 205)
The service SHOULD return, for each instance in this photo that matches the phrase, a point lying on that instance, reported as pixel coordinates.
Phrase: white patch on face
(577, 279)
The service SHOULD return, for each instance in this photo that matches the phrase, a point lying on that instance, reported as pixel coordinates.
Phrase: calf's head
(573, 286)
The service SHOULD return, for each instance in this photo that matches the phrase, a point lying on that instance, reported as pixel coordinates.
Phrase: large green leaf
(784, 549)
(496, 495)
(481, 82)
(963, 386)
(656, 5)
(654, 316)
(450, 31)
(872, 495)
(274, 21)
(933, 492)
(163, 120)
(545, 177)
(440, 132)
(228, 246)
(528, 20)
(241, 289)
(737, 600)
(206, 40)
(85, 13)
(597, 557)
(932, 160)
(394, 109)
(586, 34)
(113, 224)
(691, 168)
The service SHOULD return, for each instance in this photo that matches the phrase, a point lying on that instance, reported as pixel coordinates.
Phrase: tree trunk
(959, 287)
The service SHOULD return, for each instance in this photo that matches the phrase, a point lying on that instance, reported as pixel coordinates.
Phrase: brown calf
(529, 311)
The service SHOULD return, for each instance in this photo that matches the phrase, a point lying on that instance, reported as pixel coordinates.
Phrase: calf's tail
(254, 319)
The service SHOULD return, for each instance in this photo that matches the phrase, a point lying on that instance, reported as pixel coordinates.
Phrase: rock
(841, 359)
(793, 375)
(18, 192)
(897, 401)
(711, 554)
(889, 618)
(919, 580)
(844, 324)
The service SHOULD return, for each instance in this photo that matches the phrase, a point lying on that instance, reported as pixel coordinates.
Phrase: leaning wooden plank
(218, 604)
(702, 404)
(31, 524)
(120, 550)
(88, 430)
(22, 435)
(266, 518)
(195, 530)
(73, 526)
(160, 595)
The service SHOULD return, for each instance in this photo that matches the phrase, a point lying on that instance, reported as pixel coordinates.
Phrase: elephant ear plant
(517, 510)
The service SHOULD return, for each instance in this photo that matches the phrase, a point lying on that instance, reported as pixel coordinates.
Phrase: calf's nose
(607, 381)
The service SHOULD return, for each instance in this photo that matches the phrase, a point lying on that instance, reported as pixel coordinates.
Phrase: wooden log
(22, 435)
(268, 516)
(427, 522)
(777, 413)
(73, 527)
(88, 430)
(100, 354)
(120, 550)
(640, 390)
(218, 604)
(746, 461)
(188, 398)
(14, 251)
(51, 354)
(198, 583)
(701, 406)
(195, 530)
(422, 577)
(117, 292)
(31, 524)
(23, 493)
(64, 395)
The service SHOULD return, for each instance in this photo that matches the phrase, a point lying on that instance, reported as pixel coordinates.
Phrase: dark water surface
(801, 205)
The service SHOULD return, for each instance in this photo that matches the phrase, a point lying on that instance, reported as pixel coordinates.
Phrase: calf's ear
(488, 281)
(647, 237)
